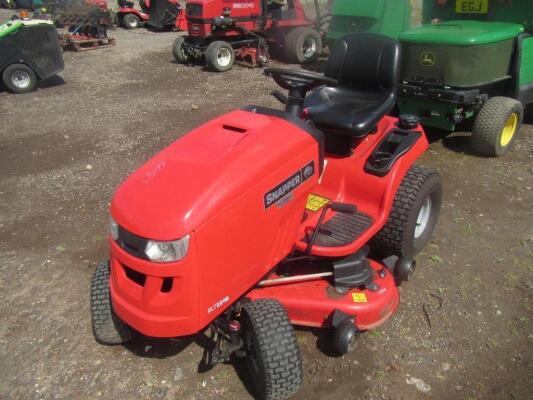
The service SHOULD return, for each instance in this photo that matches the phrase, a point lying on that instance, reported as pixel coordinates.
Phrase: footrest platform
(342, 229)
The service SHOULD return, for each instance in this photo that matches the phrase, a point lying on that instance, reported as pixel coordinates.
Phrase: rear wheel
(130, 21)
(303, 45)
(178, 51)
(496, 126)
(272, 353)
(19, 78)
(220, 56)
(414, 213)
(108, 328)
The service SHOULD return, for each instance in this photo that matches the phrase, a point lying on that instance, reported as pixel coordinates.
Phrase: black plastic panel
(389, 150)
(132, 244)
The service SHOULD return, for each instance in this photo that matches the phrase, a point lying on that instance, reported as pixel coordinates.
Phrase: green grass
(466, 229)
(435, 259)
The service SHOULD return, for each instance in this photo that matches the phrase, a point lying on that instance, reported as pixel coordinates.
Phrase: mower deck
(312, 303)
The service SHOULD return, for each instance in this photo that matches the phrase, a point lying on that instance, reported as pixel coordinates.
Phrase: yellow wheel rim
(509, 130)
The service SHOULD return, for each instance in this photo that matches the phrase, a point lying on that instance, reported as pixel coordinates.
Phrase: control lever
(280, 96)
(343, 208)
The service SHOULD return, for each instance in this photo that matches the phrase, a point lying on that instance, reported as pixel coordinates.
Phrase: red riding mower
(129, 17)
(223, 31)
(159, 14)
(260, 219)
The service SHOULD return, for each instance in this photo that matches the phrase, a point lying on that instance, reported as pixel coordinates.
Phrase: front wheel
(414, 213)
(220, 56)
(496, 126)
(178, 50)
(108, 328)
(345, 337)
(303, 45)
(272, 353)
(19, 78)
(130, 21)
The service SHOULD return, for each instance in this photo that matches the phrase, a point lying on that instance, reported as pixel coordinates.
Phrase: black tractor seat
(336, 110)
(126, 4)
(367, 67)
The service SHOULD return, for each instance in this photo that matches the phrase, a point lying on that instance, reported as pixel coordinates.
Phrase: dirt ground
(66, 147)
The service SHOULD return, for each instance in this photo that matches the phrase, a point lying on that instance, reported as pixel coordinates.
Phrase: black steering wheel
(298, 83)
(303, 81)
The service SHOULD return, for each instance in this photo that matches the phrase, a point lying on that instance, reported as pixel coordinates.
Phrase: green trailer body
(526, 67)
(512, 11)
(466, 52)
(388, 17)
(461, 54)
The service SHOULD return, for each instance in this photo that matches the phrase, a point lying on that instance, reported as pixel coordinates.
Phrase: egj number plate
(472, 6)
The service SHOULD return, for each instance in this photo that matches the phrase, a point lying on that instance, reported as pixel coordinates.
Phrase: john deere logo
(428, 59)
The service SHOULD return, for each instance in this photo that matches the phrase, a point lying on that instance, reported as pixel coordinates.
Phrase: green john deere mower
(386, 17)
(470, 63)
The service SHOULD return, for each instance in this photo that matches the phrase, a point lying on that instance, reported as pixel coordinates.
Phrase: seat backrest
(366, 62)
(125, 3)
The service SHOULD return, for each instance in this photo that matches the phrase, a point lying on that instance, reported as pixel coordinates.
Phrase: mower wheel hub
(21, 79)
(224, 57)
(309, 47)
(509, 130)
(423, 218)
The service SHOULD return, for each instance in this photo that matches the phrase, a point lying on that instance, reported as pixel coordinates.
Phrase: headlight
(113, 228)
(167, 251)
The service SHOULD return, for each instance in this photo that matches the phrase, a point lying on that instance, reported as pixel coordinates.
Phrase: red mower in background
(157, 14)
(102, 4)
(129, 17)
(221, 32)
(262, 218)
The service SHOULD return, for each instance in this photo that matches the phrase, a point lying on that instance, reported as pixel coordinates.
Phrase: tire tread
(278, 348)
(489, 123)
(177, 51)
(125, 21)
(393, 236)
(292, 45)
(211, 55)
(107, 326)
(6, 75)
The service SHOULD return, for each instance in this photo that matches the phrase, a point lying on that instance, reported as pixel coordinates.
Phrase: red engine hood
(203, 172)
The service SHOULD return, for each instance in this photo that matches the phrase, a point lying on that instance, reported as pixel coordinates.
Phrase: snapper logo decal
(284, 189)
